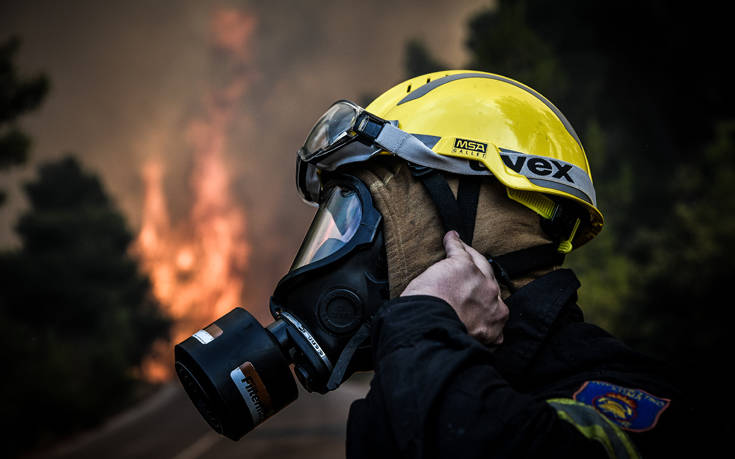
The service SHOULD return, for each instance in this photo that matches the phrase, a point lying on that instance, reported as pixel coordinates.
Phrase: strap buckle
(420, 171)
(368, 127)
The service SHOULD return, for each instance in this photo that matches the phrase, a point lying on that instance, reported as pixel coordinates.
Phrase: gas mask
(238, 373)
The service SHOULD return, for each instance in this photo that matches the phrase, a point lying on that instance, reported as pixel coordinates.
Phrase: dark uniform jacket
(557, 387)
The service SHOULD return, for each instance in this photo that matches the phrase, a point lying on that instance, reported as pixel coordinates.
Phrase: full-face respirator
(238, 373)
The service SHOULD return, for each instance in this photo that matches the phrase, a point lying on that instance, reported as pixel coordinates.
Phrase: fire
(197, 265)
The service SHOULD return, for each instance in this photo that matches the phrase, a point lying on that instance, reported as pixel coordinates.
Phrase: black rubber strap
(458, 213)
(338, 373)
(447, 206)
(531, 259)
(501, 275)
(468, 194)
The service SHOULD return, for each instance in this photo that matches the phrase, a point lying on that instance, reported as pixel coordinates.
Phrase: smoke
(140, 89)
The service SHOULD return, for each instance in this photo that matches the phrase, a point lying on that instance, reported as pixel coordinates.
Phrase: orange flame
(197, 265)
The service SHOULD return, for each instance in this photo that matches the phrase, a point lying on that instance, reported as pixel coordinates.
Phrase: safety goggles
(346, 219)
(346, 133)
(343, 123)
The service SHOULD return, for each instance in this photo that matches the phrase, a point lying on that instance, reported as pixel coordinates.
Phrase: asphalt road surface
(167, 426)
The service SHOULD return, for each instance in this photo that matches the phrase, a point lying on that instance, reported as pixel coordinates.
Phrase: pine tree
(18, 96)
(77, 314)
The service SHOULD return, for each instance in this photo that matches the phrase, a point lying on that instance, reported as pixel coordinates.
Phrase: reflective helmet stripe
(551, 173)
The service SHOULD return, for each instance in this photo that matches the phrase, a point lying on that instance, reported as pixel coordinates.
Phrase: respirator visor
(334, 225)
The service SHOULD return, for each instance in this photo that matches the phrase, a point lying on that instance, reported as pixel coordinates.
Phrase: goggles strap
(416, 149)
(398, 141)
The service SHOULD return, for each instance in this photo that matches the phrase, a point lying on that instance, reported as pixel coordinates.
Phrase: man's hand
(466, 281)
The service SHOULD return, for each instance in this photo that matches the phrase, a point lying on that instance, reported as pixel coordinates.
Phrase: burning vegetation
(197, 263)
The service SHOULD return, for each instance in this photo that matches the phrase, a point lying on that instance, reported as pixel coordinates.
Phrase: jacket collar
(533, 310)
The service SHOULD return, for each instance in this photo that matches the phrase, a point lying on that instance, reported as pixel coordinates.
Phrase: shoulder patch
(634, 410)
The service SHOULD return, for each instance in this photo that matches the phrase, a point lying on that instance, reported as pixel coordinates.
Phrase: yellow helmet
(472, 124)
(509, 128)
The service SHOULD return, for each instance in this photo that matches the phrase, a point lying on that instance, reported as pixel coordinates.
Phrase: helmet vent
(408, 89)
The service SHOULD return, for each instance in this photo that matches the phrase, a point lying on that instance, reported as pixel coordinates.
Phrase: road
(167, 426)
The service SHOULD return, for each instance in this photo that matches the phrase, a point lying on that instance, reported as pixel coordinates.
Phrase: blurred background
(147, 153)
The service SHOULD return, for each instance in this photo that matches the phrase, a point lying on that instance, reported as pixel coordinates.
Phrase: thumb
(453, 245)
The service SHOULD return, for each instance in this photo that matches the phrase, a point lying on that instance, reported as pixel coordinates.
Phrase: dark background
(90, 91)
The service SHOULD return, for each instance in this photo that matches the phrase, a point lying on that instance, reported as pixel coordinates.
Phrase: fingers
(455, 247)
(480, 261)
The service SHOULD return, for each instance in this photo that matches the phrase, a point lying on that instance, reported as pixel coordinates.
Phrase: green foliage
(688, 265)
(17, 97)
(606, 276)
(77, 315)
(604, 270)
(680, 311)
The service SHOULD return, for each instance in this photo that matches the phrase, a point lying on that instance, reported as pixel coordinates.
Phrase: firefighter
(484, 187)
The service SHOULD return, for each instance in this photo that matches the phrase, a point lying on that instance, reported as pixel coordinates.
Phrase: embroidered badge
(631, 409)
